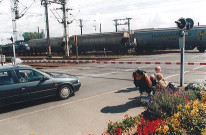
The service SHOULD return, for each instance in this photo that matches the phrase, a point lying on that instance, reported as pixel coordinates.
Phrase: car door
(10, 91)
(34, 84)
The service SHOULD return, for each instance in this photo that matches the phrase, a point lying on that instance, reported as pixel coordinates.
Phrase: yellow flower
(196, 102)
(192, 112)
(173, 126)
(187, 106)
(177, 115)
(179, 106)
(203, 131)
(158, 130)
(180, 131)
(166, 128)
(202, 106)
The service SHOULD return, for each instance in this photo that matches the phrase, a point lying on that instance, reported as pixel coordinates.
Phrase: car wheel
(65, 92)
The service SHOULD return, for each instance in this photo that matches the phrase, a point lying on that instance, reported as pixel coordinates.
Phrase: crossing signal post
(184, 26)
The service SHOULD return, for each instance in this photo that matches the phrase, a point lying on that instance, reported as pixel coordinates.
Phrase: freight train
(168, 38)
(118, 42)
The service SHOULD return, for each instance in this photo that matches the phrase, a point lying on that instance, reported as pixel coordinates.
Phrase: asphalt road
(107, 93)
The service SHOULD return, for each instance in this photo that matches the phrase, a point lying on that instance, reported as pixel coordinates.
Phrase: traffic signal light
(181, 23)
(189, 23)
(185, 24)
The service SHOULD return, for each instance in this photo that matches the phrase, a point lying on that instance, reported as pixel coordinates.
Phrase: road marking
(87, 98)
(184, 72)
(198, 68)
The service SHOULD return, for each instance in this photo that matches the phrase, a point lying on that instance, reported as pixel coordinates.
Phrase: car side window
(35, 76)
(28, 75)
(6, 78)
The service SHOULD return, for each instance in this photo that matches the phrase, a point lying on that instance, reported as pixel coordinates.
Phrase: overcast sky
(144, 14)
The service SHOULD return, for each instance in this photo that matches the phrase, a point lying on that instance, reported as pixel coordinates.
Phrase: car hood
(61, 75)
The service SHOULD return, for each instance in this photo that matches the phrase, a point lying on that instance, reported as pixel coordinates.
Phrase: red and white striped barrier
(112, 62)
(59, 61)
(155, 63)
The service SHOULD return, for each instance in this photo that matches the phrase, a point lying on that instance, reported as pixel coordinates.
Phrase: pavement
(114, 106)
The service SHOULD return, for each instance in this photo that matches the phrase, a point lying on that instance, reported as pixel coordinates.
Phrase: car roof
(10, 66)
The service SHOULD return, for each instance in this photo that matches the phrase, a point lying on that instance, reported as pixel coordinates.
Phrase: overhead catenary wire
(115, 8)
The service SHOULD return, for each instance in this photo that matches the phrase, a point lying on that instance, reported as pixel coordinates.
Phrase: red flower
(126, 115)
(147, 127)
(118, 131)
(186, 100)
(142, 121)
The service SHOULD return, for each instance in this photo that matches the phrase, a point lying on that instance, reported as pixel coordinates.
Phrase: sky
(144, 14)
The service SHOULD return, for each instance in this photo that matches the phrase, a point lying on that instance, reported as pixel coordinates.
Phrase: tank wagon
(39, 46)
(168, 38)
(115, 42)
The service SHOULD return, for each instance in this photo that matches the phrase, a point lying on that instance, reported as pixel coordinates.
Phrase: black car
(19, 83)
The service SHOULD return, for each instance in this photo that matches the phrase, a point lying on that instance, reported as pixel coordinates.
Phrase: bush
(190, 119)
(164, 104)
(197, 85)
(199, 88)
(124, 126)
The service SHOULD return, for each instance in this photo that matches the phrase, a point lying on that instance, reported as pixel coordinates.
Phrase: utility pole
(128, 19)
(45, 3)
(77, 55)
(184, 26)
(15, 15)
(65, 23)
(129, 31)
(38, 33)
(100, 30)
(115, 21)
(80, 20)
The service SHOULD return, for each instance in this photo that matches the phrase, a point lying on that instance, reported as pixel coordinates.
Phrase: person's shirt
(161, 84)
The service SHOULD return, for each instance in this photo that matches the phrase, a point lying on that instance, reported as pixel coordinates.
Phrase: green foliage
(164, 104)
(32, 35)
(125, 125)
(190, 119)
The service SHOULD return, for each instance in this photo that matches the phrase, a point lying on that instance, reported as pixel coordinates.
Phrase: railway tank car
(116, 42)
(168, 38)
(40, 46)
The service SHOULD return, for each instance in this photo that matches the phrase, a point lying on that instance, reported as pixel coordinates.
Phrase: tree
(32, 35)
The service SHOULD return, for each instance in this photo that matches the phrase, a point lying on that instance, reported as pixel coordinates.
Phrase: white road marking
(184, 72)
(49, 108)
(198, 68)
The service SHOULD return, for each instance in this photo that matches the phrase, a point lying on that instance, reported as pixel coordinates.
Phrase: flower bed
(172, 112)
